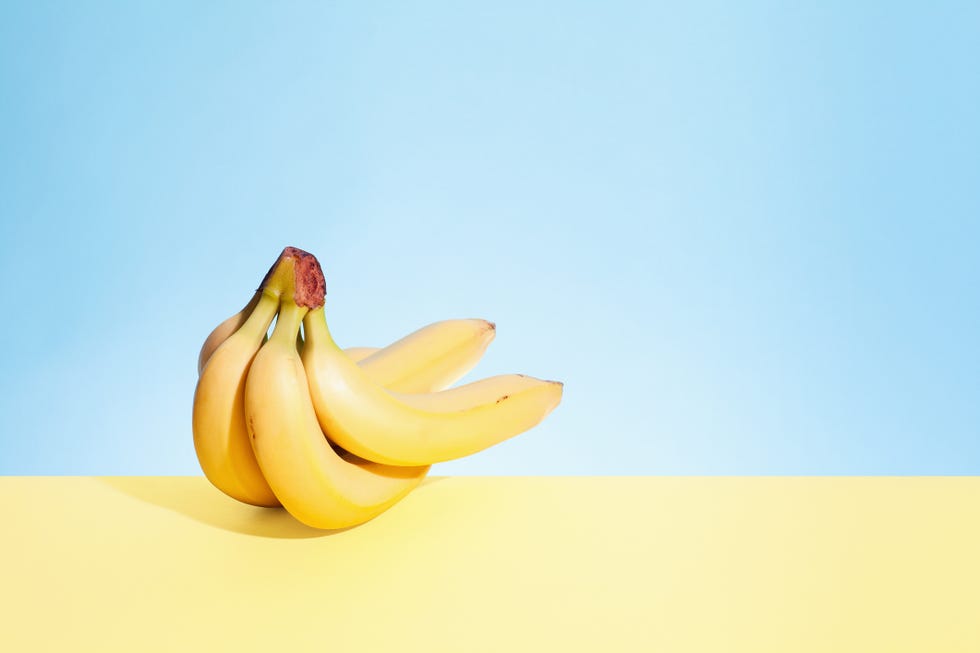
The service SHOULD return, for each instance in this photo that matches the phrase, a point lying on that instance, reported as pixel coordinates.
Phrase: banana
(313, 482)
(372, 423)
(431, 358)
(220, 434)
(223, 331)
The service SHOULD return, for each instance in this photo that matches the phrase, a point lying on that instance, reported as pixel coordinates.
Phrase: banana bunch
(338, 436)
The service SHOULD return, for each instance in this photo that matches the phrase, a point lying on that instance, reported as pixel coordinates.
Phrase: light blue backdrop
(746, 236)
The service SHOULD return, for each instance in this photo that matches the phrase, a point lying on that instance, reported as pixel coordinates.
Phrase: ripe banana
(431, 358)
(313, 482)
(220, 434)
(371, 422)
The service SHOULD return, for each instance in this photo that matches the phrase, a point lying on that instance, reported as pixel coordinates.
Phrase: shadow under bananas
(196, 498)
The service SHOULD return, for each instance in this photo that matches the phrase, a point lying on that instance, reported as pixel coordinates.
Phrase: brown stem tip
(309, 287)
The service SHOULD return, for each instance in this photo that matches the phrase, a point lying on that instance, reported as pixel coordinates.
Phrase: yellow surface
(498, 564)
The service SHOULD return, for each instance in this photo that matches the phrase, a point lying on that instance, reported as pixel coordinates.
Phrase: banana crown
(296, 276)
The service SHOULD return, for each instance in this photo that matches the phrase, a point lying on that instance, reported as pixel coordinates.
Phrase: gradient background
(746, 236)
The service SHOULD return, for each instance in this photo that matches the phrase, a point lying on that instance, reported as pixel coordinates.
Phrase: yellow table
(498, 564)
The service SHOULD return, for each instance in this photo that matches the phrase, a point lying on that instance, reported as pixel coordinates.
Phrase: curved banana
(370, 422)
(431, 358)
(313, 482)
(220, 435)
(223, 331)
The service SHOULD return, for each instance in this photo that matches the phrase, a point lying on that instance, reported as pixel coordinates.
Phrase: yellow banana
(220, 435)
(431, 358)
(371, 422)
(313, 482)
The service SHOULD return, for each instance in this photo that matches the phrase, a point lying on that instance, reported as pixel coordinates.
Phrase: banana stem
(258, 322)
(250, 306)
(287, 326)
(316, 333)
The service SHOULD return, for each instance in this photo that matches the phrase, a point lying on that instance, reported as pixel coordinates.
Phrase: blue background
(745, 235)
